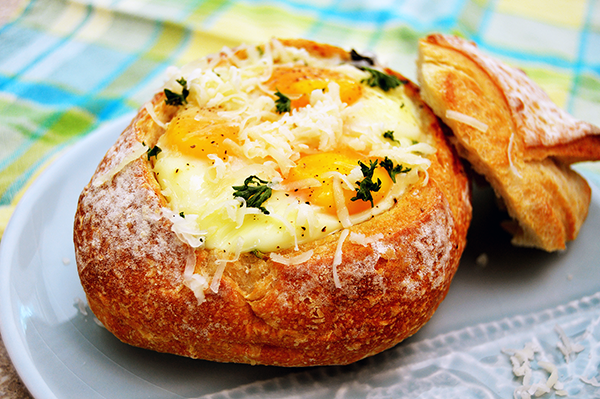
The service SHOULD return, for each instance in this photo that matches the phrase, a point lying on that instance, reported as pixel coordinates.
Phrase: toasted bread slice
(512, 133)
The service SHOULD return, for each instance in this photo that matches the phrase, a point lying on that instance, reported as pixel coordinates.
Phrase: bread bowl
(326, 283)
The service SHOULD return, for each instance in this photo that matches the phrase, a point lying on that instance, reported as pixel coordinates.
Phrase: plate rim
(16, 347)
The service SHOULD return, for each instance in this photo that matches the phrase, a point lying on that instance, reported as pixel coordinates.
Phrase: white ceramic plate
(518, 297)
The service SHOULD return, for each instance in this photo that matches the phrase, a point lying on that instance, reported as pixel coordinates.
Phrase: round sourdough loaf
(360, 290)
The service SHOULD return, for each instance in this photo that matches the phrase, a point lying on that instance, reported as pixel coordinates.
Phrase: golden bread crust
(131, 267)
(529, 143)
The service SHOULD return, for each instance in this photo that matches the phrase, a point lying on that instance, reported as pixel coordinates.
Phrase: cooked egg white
(230, 129)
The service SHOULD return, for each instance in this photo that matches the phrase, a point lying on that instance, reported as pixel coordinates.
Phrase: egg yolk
(200, 132)
(299, 82)
(316, 166)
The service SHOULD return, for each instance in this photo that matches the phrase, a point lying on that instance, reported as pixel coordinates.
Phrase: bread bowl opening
(272, 146)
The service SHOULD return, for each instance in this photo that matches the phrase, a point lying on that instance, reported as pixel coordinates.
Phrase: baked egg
(272, 147)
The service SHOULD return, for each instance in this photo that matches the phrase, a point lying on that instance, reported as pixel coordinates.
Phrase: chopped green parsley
(153, 152)
(381, 79)
(392, 169)
(390, 136)
(283, 104)
(176, 98)
(366, 186)
(255, 191)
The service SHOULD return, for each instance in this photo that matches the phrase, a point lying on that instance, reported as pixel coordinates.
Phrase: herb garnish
(356, 57)
(176, 98)
(153, 152)
(283, 103)
(255, 191)
(182, 214)
(259, 254)
(392, 169)
(390, 135)
(367, 185)
(382, 80)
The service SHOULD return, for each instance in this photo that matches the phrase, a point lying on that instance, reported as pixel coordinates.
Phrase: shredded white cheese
(217, 170)
(511, 142)
(340, 203)
(268, 145)
(337, 257)
(195, 282)
(467, 120)
(150, 109)
(81, 306)
(186, 228)
(221, 263)
(138, 149)
(361, 239)
(591, 381)
(98, 322)
(553, 378)
(566, 347)
(521, 361)
(292, 260)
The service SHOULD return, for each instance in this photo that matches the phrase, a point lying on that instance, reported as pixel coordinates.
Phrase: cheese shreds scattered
(521, 362)
(566, 347)
(511, 142)
(138, 149)
(293, 260)
(150, 109)
(98, 322)
(467, 120)
(195, 282)
(186, 228)
(81, 306)
(553, 378)
(337, 257)
(340, 203)
(221, 263)
(235, 88)
(591, 381)
(217, 170)
(361, 239)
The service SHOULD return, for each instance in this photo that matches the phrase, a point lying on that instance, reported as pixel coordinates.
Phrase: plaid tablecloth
(68, 66)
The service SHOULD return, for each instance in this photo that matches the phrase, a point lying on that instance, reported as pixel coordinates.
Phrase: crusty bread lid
(507, 127)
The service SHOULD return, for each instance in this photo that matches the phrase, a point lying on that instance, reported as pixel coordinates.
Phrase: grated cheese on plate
(566, 347)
